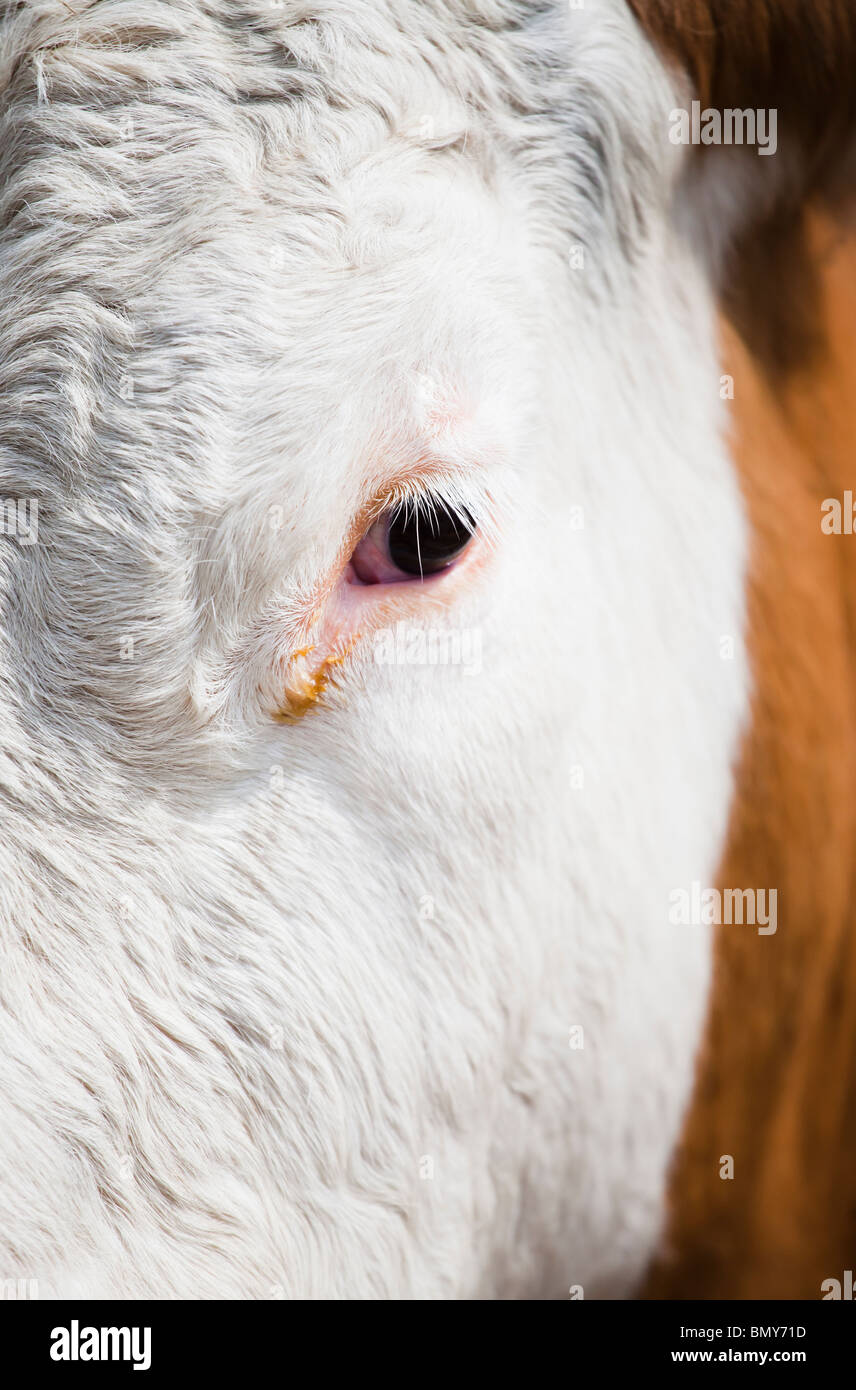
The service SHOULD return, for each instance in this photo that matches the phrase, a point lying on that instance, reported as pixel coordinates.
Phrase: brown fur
(799, 57)
(777, 1081)
(777, 1089)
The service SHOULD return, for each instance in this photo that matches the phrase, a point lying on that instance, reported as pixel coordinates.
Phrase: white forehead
(205, 187)
(257, 198)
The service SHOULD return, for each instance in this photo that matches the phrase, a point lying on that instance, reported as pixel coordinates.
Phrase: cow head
(378, 668)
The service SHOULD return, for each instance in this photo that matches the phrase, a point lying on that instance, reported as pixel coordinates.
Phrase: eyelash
(429, 496)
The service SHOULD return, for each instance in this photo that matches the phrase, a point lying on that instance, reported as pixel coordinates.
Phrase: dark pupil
(423, 540)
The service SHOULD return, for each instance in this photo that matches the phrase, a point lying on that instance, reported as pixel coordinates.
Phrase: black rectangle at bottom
(226, 1339)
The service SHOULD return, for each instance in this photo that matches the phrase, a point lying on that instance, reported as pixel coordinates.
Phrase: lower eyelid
(352, 611)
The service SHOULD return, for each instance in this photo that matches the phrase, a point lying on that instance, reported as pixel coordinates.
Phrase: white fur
(286, 1008)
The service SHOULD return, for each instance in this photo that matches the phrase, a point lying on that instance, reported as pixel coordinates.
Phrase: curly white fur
(286, 1009)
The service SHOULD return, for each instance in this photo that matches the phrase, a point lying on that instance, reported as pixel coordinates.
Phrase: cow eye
(422, 542)
(412, 540)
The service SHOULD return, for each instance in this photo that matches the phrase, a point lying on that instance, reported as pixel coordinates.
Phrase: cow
(415, 425)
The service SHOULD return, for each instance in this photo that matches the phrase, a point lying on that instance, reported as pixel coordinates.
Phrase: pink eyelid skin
(369, 564)
(365, 593)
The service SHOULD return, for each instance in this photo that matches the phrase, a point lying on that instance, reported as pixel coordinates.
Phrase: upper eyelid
(455, 490)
